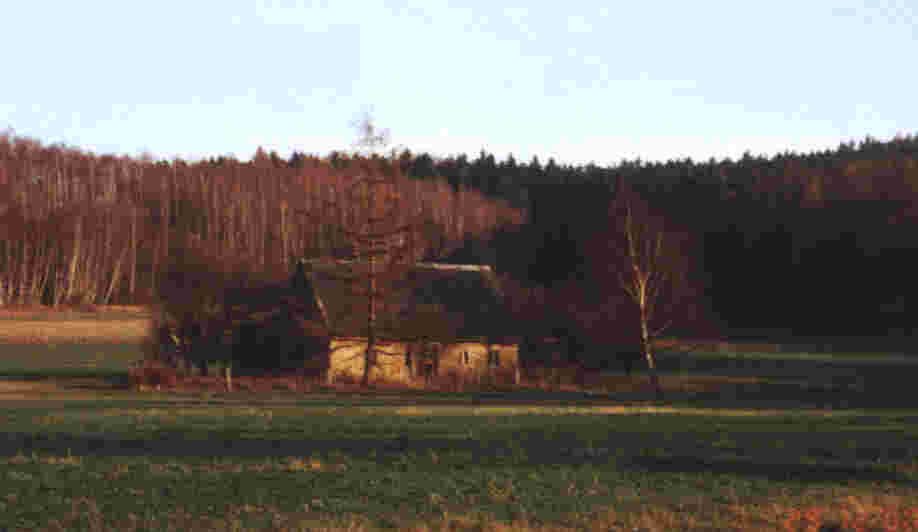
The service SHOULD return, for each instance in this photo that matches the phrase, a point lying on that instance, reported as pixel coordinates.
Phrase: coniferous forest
(820, 244)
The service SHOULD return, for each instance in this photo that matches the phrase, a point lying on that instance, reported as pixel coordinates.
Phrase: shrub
(152, 374)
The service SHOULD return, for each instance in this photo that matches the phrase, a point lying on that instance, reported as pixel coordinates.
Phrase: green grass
(96, 459)
(839, 358)
(387, 464)
(40, 360)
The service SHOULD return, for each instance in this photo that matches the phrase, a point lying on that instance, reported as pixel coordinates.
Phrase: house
(431, 319)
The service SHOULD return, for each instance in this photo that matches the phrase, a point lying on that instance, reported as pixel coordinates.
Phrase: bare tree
(652, 273)
(67, 216)
(384, 236)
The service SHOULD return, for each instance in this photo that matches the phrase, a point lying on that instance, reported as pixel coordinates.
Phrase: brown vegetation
(149, 374)
(254, 325)
(80, 228)
(30, 331)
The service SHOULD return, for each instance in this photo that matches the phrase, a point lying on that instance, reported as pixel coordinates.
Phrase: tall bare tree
(384, 234)
(652, 271)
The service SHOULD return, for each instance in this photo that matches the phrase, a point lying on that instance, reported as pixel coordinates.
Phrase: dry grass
(869, 512)
(74, 332)
(18, 390)
(84, 324)
(734, 507)
(861, 513)
(39, 311)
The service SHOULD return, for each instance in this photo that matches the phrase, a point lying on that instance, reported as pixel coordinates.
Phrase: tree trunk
(60, 276)
(648, 354)
(116, 278)
(228, 375)
(24, 294)
(133, 252)
(369, 357)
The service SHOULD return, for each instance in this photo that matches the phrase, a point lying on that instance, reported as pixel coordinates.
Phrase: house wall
(453, 359)
(347, 358)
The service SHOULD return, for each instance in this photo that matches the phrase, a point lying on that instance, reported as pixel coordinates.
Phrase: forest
(797, 245)
(794, 245)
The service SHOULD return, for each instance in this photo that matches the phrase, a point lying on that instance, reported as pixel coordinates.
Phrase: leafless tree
(652, 272)
(384, 235)
(75, 226)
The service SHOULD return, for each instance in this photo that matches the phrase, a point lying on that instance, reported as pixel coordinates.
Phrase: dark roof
(425, 300)
(258, 301)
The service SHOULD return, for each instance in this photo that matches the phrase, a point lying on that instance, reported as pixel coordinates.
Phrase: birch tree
(652, 272)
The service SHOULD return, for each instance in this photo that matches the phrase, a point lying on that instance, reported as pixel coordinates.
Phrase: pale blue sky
(579, 81)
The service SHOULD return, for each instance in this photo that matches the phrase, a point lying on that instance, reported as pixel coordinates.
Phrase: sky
(578, 81)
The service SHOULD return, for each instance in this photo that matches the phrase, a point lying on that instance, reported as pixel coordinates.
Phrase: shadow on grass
(775, 471)
(489, 453)
(172, 444)
(831, 395)
(682, 391)
(74, 379)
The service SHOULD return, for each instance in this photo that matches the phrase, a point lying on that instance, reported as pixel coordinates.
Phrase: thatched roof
(260, 301)
(421, 301)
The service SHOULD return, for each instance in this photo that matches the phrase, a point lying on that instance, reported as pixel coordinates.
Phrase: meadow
(744, 441)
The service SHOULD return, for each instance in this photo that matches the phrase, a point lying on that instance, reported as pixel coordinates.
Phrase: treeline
(818, 244)
(79, 228)
(845, 172)
(815, 244)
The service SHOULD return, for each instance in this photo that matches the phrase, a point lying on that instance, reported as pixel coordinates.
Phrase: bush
(281, 343)
(152, 374)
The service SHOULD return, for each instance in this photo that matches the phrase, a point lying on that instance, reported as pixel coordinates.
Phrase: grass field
(742, 443)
